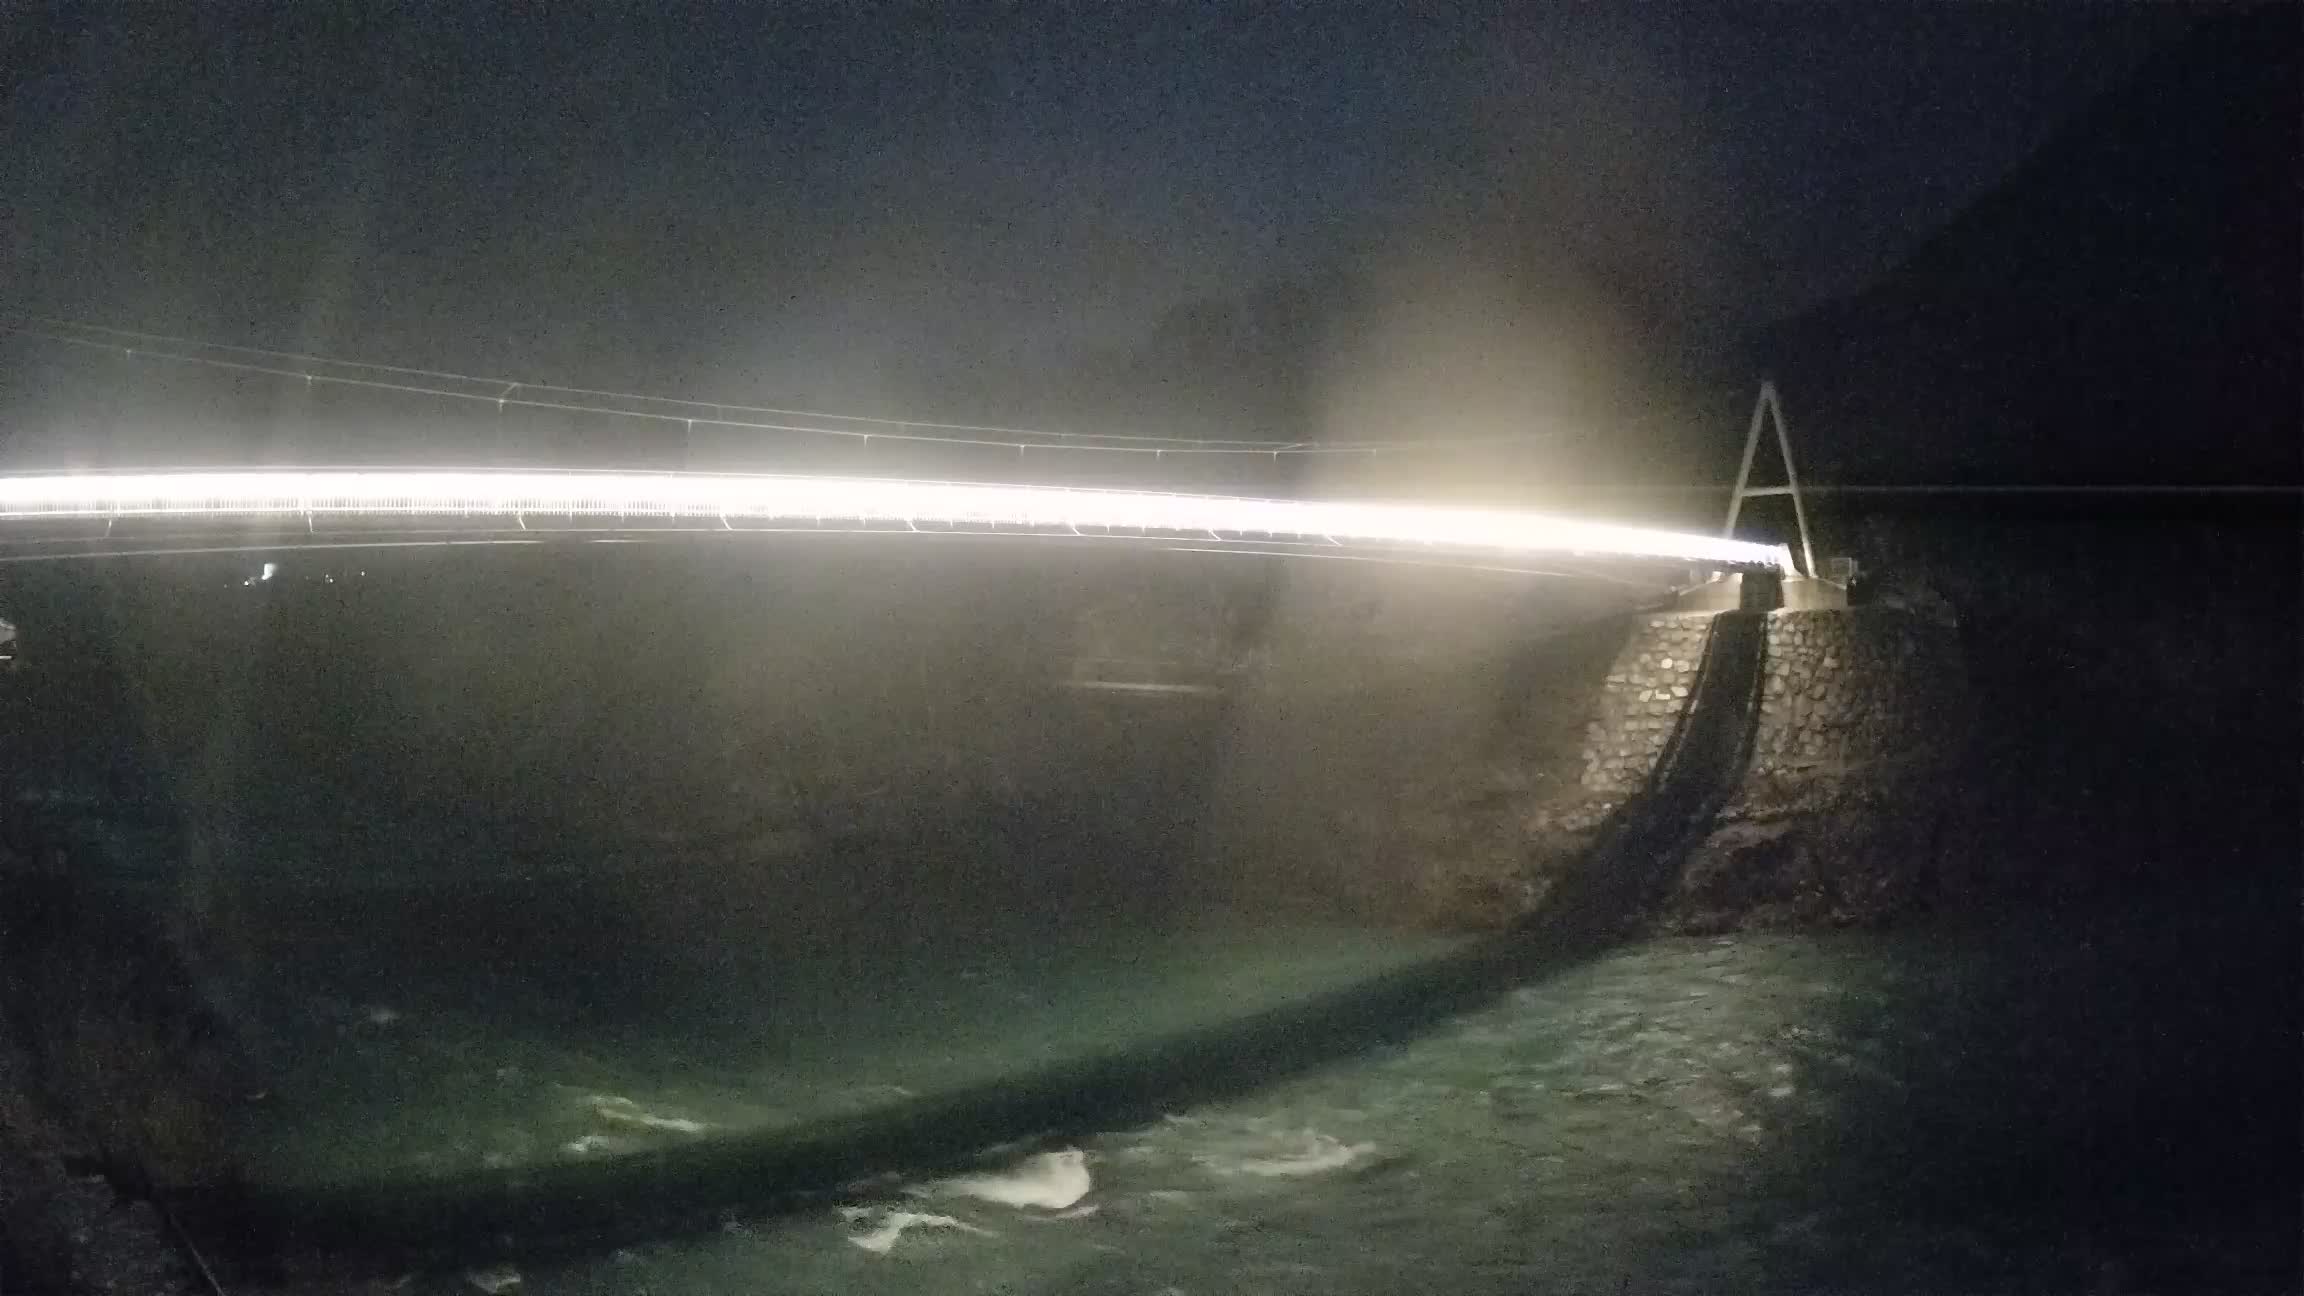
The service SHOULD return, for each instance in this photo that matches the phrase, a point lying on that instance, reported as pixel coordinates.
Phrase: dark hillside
(2124, 309)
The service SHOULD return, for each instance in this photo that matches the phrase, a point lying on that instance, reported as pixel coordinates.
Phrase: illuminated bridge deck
(93, 514)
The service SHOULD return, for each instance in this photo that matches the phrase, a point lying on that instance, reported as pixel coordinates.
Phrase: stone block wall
(1845, 687)
(1849, 687)
(1838, 817)
(1646, 689)
(1834, 820)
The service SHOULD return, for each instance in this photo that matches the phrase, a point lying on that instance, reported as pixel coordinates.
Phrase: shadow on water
(2108, 1093)
(587, 1207)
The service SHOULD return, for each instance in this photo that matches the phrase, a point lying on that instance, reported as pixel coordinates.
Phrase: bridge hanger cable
(572, 407)
(718, 408)
(499, 391)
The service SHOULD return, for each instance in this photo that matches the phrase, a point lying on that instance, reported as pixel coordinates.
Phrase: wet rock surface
(63, 1228)
(1832, 851)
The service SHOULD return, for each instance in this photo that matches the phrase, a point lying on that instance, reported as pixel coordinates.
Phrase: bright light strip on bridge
(512, 496)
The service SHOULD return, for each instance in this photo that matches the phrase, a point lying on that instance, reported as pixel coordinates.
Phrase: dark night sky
(828, 204)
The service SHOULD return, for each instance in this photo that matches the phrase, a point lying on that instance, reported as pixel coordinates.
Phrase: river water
(2088, 1102)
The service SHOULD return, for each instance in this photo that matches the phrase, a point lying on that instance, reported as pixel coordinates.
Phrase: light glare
(818, 500)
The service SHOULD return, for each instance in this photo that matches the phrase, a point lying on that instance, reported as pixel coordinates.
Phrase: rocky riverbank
(65, 1227)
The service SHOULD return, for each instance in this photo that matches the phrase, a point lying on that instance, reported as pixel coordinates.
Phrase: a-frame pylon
(1766, 409)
